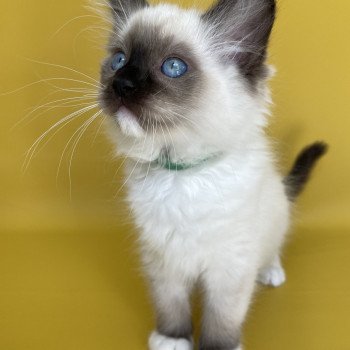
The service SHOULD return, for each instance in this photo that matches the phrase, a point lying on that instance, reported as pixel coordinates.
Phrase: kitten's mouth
(129, 122)
(125, 113)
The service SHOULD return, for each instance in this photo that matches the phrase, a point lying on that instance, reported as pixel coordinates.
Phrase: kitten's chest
(169, 197)
(186, 203)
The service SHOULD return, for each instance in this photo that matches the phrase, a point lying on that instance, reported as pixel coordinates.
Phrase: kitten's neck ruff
(193, 152)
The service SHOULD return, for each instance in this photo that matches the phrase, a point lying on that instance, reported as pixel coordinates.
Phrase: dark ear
(122, 9)
(241, 31)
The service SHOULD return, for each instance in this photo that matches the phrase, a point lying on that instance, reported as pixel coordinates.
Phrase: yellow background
(69, 274)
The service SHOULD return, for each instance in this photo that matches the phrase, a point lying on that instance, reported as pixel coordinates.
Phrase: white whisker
(49, 106)
(132, 171)
(70, 21)
(98, 131)
(43, 81)
(32, 149)
(66, 68)
(149, 164)
(83, 129)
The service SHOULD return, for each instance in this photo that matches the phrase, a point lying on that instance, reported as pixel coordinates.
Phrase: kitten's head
(177, 78)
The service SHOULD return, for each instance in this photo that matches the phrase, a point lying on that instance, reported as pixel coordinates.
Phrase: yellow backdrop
(69, 275)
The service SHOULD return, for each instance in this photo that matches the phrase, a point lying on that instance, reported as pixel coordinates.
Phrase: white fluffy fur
(221, 223)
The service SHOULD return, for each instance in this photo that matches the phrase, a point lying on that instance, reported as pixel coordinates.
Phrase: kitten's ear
(241, 31)
(122, 9)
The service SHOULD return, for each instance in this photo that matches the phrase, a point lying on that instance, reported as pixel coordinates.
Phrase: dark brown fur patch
(248, 22)
(302, 168)
(219, 345)
(182, 331)
(215, 336)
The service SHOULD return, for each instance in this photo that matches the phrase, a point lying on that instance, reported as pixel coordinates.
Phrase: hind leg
(272, 274)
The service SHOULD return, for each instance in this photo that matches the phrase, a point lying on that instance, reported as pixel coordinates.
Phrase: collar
(165, 162)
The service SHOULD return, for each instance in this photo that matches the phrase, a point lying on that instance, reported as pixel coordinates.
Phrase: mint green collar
(165, 162)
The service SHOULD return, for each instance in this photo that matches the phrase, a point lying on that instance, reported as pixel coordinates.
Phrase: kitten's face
(158, 77)
(179, 70)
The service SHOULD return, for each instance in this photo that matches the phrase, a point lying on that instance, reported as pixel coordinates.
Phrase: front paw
(161, 342)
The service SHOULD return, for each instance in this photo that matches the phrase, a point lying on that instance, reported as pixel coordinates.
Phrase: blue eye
(118, 61)
(174, 67)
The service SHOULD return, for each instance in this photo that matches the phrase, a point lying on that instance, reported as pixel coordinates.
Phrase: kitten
(188, 101)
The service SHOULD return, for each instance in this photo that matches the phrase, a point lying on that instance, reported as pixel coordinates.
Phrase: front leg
(226, 301)
(171, 295)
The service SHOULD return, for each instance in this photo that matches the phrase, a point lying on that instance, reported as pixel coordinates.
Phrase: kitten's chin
(129, 123)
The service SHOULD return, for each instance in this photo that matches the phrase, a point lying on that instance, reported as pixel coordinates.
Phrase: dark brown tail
(302, 168)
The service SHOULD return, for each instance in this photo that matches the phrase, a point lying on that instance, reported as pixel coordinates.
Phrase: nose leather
(124, 86)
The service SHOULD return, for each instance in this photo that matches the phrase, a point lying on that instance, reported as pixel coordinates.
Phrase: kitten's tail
(302, 168)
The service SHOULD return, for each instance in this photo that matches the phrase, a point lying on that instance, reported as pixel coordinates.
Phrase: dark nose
(123, 86)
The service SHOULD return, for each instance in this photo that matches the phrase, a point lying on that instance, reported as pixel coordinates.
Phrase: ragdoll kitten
(188, 101)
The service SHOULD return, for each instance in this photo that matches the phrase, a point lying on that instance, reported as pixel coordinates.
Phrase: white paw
(272, 276)
(161, 342)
